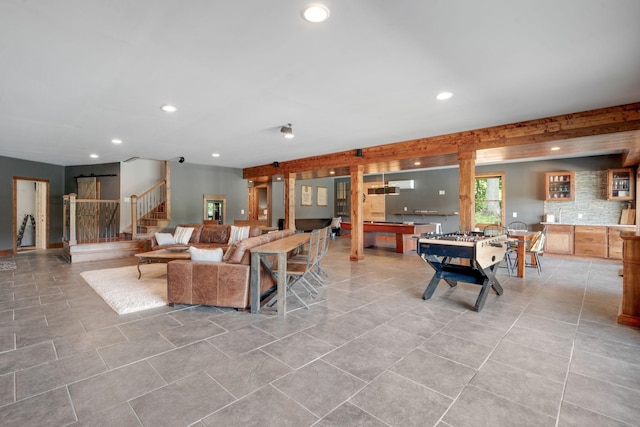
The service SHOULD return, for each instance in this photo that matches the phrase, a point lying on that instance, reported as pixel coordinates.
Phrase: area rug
(7, 265)
(121, 289)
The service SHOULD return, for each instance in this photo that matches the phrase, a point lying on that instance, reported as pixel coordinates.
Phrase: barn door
(87, 212)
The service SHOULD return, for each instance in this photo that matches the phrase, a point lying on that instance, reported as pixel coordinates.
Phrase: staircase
(147, 226)
(150, 213)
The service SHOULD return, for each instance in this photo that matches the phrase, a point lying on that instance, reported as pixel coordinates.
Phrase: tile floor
(369, 352)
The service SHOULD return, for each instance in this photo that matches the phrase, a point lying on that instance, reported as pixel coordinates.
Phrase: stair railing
(90, 220)
(149, 207)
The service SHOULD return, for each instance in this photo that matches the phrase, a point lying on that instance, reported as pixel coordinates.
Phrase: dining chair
(535, 249)
(513, 245)
(517, 226)
(498, 230)
(299, 272)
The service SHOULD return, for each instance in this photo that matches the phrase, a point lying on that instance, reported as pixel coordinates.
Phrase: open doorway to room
(260, 203)
(215, 208)
(30, 214)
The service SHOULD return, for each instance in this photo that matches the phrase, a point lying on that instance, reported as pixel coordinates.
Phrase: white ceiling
(76, 73)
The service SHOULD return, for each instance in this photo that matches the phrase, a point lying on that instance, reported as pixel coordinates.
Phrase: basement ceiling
(77, 74)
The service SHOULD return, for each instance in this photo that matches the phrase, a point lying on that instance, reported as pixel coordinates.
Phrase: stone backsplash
(590, 201)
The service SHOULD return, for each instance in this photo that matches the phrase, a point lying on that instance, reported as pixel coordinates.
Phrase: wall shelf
(560, 186)
(620, 184)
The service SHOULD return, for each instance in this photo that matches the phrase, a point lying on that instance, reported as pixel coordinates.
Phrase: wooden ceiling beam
(603, 121)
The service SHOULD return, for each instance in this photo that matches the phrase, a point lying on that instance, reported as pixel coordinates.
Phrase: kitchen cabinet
(620, 184)
(590, 240)
(559, 239)
(614, 241)
(559, 186)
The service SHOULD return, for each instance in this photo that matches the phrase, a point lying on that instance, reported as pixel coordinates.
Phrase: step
(84, 252)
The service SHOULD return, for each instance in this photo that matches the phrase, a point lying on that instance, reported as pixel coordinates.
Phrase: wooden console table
(280, 248)
(630, 306)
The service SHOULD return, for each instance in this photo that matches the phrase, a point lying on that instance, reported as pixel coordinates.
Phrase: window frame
(503, 215)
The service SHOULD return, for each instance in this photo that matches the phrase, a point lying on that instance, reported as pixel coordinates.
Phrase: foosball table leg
(484, 291)
(433, 284)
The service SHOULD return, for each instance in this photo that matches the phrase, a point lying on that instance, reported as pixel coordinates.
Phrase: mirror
(214, 208)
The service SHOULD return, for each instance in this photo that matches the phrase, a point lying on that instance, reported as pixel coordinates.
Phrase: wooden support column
(357, 193)
(467, 164)
(290, 201)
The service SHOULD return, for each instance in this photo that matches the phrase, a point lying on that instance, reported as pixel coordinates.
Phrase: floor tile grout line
(573, 345)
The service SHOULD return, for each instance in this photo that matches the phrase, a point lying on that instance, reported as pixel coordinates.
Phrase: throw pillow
(230, 250)
(335, 222)
(165, 239)
(210, 255)
(182, 235)
(239, 233)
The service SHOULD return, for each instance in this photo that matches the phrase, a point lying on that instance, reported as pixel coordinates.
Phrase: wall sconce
(359, 152)
(287, 131)
(276, 164)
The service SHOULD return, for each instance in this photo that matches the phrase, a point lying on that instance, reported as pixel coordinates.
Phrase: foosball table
(458, 257)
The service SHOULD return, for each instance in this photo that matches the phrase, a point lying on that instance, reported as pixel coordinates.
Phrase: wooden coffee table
(160, 256)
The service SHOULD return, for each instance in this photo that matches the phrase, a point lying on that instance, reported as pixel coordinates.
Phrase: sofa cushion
(182, 235)
(214, 234)
(165, 239)
(210, 255)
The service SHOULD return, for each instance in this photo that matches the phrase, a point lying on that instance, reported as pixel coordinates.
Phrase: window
(489, 199)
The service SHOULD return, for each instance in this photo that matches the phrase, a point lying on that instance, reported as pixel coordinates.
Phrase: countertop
(593, 225)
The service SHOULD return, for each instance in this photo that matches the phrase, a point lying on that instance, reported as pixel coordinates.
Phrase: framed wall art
(306, 195)
(321, 199)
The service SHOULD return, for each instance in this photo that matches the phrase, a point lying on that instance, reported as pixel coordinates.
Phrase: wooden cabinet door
(559, 239)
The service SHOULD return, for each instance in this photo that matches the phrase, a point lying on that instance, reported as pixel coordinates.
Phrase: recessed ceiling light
(93, 156)
(444, 95)
(555, 148)
(116, 141)
(168, 108)
(315, 12)
(332, 172)
(416, 163)
(215, 155)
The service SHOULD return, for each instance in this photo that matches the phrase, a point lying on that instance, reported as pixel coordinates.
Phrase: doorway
(30, 214)
(260, 203)
(214, 208)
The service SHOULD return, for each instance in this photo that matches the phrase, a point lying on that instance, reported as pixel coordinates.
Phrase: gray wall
(109, 185)
(189, 183)
(315, 211)
(10, 168)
